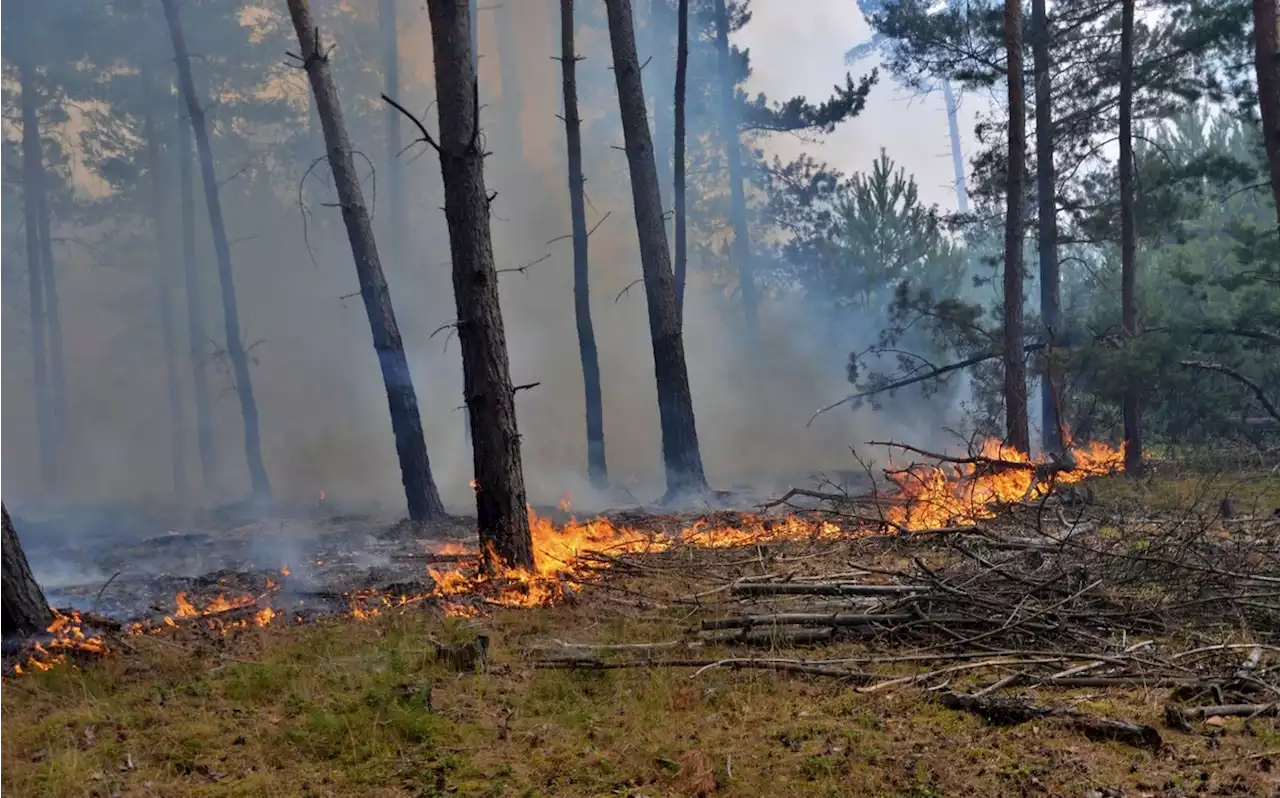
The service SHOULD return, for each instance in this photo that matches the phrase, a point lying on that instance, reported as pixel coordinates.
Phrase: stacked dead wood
(1042, 601)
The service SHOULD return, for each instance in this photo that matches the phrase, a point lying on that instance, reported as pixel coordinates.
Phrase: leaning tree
(24, 609)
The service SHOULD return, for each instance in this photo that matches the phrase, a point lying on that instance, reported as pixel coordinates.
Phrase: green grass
(362, 708)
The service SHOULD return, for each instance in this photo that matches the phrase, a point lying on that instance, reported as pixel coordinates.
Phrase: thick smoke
(324, 415)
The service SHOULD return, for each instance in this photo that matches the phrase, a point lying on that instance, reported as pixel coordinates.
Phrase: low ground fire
(949, 491)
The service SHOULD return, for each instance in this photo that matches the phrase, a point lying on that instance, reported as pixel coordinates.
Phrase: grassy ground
(349, 707)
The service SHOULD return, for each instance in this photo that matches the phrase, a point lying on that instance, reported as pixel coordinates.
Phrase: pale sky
(803, 53)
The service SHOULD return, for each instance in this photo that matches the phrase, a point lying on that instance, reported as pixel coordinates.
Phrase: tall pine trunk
(420, 491)
(659, 25)
(25, 609)
(231, 314)
(391, 87)
(1128, 241)
(741, 248)
(161, 227)
(678, 160)
(680, 451)
(197, 338)
(502, 516)
(32, 186)
(1017, 433)
(53, 316)
(597, 467)
(957, 150)
(1047, 222)
(1266, 60)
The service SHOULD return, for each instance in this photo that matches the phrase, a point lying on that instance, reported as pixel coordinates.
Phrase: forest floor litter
(1124, 645)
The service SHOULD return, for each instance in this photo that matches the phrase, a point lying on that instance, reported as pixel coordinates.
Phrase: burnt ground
(128, 562)
(1125, 648)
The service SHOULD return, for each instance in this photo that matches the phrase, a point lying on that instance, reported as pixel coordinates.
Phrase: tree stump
(24, 610)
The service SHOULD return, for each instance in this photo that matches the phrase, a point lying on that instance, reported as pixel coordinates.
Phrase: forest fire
(68, 635)
(969, 489)
(925, 497)
(957, 491)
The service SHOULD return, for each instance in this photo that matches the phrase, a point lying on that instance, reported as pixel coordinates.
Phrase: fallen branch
(804, 619)
(1011, 712)
(734, 663)
(821, 589)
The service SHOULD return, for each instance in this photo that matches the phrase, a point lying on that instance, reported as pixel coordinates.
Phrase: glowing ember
(322, 494)
(566, 501)
(474, 485)
(284, 570)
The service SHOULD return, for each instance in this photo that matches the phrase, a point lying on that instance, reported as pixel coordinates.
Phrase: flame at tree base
(962, 492)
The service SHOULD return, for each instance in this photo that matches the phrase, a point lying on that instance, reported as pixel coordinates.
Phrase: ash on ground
(131, 562)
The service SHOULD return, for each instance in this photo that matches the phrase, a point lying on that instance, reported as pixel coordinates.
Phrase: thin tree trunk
(231, 314)
(415, 467)
(25, 609)
(53, 316)
(502, 516)
(680, 451)
(957, 149)
(1128, 242)
(663, 123)
(737, 191)
(160, 222)
(473, 11)
(32, 184)
(391, 87)
(1047, 219)
(197, 338)
(597, 467)
(1017, 432)
(1266, 59)
(682, 76)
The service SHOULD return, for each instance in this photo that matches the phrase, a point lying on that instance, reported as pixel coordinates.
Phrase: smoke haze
(319, 390)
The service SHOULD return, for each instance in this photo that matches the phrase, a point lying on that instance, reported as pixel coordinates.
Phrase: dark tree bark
(406, 422)
(25, 610)
(680, 451)
(957, 150)
(1266, 59)
(1017, 432)
(197, 339)
(597, 467)
(663, 123)
(161, 227)
(502, 516)
(682, 222)
(231, 314)
(391, 87)
(1128, 242)
(741, 248)
(53, 316)
(1047, 221)
(32, 185)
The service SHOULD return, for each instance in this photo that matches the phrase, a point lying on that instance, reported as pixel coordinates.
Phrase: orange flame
(930, 496)
(67, 636)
